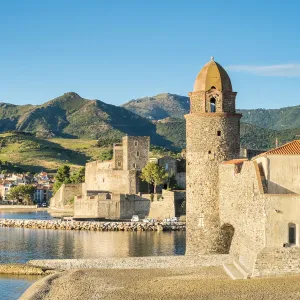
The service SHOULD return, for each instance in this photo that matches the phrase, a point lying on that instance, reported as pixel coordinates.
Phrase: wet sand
(209, 283)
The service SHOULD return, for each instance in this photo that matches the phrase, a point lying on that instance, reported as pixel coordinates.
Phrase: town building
(5, 186)
(42, 194)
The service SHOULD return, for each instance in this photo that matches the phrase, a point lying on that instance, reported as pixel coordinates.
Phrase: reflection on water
(40, 215)
(22, 244)
(18, 245)
(13, 286)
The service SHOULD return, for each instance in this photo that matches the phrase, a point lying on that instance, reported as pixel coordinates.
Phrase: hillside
(278, 119)
(160, 106)
(71, 129)
(71, 116)
(175, 106)
(252, 137)
(35, 154)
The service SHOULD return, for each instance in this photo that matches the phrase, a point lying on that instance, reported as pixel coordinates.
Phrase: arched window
(292, 233)
(212, 105)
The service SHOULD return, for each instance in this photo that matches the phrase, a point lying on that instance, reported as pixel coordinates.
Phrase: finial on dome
(212, 58)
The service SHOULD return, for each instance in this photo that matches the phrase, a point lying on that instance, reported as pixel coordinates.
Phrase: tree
(23, 193)
(78, 176)
(154, 174)
(62, 176)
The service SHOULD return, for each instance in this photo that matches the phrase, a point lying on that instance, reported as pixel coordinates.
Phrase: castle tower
(135, 152)
(212, 136)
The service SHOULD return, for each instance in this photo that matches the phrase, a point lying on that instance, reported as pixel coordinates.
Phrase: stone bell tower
(212, 136)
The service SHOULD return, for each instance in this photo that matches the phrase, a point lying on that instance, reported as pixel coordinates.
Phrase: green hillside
(71, 116)
(35, 154)
(175, 106)
(278, 119)
(252, 137)
(74, 130)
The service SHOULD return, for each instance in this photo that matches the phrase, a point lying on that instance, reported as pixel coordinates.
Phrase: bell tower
(212, 136)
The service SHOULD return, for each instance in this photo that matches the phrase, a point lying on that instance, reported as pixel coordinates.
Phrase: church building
(249, 209)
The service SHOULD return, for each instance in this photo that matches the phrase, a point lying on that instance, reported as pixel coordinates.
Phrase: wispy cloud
(284, 70)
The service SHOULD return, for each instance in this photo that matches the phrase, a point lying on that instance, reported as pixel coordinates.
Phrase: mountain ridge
(160, 117)
(276, 119)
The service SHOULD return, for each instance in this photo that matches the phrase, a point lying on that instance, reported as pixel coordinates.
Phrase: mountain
(160, 106)
(252, 136)
(175, 106)
(75, 117)
(72, 117)
(278, 119)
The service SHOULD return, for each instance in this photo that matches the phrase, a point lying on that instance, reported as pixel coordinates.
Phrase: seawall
(151, 262)
(92, 225)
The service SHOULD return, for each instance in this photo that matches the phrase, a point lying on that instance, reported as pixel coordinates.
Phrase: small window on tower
(119, 164)
(219, 133)
(136, 143)
(209, 152)
(134, 166)
(138, 154)
(213, 105)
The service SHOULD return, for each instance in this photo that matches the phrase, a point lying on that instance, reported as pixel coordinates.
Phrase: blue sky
(115, 51)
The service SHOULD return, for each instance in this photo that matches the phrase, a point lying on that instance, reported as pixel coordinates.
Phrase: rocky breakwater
(93, 225)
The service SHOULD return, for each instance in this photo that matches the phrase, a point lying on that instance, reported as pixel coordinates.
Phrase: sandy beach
(19, 210)
(183, 283)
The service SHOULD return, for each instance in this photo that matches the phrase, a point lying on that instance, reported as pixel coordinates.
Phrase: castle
(249, 209)
(113, 189)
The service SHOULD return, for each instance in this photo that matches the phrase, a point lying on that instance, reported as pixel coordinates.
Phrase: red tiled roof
(291, 148)
(236, 161)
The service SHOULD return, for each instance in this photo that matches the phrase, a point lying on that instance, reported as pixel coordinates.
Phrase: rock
(92, 226)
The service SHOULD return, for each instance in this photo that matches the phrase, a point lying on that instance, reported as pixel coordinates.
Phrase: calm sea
(19, 245)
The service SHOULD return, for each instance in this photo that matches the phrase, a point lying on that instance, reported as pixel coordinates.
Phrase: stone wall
(64, 196)
(115, 181)
(122, 206)
(102, 205)
(164, 207)
(242, 205)
(277, 262)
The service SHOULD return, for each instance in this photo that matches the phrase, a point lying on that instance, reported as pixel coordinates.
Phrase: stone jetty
(93, 225)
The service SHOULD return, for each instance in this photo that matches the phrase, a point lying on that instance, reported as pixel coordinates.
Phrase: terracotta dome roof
(212, 75)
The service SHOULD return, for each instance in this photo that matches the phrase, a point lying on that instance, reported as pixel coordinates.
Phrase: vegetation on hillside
(276, 119)
(160, 106)
(25, 152)
(252, 137)
(73, 130)
(71, 116)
